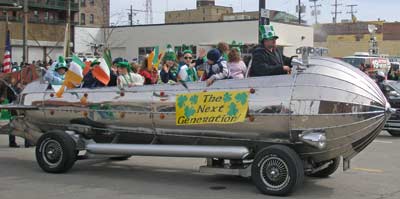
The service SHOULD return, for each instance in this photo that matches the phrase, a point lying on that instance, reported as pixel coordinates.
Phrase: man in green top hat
(269, 60)
(56, 74)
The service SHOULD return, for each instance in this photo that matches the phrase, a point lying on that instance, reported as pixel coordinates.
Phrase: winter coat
(267, 63)
(237, 70)
(171, 75)
(54, 78)
(188, 74)
(130, 78)
(217, 71)
(89, 81)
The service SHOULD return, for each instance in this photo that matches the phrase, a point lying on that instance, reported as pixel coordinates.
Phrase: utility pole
(316, 12)
(299, 11)
(263, 19)
(131, 16)
(336, 11)
(352, 10)
(25, 33)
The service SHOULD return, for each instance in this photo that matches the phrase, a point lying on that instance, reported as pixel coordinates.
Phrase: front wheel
(55, 152)
(277, 170)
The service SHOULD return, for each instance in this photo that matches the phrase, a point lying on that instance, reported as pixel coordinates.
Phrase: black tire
(327, 171)
(277, 170)
(120, 158)
(394, 133)
(56, 152)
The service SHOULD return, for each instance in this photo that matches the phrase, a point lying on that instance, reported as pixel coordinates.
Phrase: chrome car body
(326, 98)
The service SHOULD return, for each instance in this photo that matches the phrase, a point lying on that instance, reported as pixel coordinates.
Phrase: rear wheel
(324, 173)
(394, 133)
(55, 152)
(277, 170)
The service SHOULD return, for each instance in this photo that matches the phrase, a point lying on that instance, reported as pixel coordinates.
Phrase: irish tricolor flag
(74, 75)
(102, 71)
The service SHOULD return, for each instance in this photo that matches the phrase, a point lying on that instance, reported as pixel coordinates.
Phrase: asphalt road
(375, 174)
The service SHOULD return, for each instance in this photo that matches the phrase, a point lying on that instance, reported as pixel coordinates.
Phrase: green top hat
(267, 32)
(61, 63)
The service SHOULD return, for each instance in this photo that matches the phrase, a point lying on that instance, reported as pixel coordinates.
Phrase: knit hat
(169, 54)
(267, 32)
(213, 55)
(61, 63)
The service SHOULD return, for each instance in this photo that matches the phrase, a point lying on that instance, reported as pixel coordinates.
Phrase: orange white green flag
(73, 77)
(102, 71)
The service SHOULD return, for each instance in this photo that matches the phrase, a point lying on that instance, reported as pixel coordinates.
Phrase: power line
(352, 10)
(316, 11)
(336, 12)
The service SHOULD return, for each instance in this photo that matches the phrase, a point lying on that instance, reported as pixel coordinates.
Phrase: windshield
(357, 62)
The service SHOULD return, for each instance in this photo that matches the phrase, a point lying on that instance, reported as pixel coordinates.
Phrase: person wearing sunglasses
(187, 72)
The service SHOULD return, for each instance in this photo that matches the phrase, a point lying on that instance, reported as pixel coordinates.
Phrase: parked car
(392, 93)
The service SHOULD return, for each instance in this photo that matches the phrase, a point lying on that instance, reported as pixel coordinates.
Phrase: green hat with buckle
(267, 32)
(61, 63)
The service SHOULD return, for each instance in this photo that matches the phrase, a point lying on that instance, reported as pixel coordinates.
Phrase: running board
(225, 152)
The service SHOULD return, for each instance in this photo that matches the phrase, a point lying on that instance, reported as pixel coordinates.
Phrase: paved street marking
(369, 170)
(383, 142)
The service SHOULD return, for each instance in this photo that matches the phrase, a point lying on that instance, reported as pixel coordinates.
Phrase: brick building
(207, 11)
(345, 39)
(46, 28)
(93, 13)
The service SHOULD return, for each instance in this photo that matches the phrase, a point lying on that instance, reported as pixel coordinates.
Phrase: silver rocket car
(295, 125)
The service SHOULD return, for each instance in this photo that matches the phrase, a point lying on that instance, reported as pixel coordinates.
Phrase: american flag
(7, 55)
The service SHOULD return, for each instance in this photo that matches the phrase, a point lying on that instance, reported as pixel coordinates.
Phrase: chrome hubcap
(52, 152)
(275, 173)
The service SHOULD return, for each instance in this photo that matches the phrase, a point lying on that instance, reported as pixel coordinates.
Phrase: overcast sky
(367, 9)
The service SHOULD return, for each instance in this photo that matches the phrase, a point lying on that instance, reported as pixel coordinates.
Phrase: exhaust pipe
(226, 152)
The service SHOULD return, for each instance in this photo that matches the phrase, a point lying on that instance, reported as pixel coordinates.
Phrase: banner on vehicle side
(211, 107)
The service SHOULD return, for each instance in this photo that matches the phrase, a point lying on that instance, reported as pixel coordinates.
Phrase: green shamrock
(227, 97)
(194, 99)
(241, 97)
(232, 110)
(181, 100)
(189, 112)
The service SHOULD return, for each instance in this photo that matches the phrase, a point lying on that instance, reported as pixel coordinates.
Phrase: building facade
(345, 39)
(46, 25)
(136, 42)
(93, 13)
(207, 11)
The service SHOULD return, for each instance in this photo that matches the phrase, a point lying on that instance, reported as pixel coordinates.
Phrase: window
(46, 16)
(91, 20)
(143, 52)
(91, 2)
(83, 20)
(36, 15)
(83, 3)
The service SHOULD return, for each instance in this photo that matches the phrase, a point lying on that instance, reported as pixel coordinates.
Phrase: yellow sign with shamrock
(211, 107)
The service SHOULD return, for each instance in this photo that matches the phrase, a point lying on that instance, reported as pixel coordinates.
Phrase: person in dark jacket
(169, 71)
(89, 81)
(268, 60)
